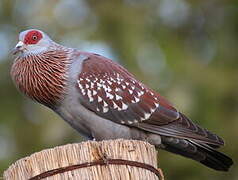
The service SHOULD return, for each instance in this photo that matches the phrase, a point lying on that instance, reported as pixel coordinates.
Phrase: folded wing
(111, 92)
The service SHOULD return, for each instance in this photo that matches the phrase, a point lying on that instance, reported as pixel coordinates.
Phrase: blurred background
(187, 50)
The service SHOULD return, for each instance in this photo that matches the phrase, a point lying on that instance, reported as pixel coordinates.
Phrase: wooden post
(91, 160)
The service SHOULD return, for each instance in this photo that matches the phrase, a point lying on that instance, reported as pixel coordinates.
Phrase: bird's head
(32, 41)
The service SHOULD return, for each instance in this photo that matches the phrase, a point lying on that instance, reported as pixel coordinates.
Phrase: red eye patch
(32, 37)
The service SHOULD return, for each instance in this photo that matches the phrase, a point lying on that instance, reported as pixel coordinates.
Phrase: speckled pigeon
(102, 100)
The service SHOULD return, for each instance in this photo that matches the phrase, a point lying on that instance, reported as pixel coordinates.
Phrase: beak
(18, 48)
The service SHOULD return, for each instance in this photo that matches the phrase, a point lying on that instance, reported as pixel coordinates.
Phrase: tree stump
(91, 160)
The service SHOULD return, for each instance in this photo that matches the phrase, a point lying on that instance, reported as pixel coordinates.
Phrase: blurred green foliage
(187, 50)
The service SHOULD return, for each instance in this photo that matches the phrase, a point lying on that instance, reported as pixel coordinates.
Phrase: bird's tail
(200, 152)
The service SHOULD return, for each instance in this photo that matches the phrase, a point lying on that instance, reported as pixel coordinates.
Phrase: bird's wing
(111, 92)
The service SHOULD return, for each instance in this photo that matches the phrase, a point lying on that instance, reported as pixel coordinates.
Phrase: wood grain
(91, 151)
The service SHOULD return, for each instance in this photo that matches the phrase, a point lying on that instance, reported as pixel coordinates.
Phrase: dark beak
(15, 51)
(18, 48)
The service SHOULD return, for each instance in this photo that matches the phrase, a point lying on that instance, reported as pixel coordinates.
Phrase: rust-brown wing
(111, 92)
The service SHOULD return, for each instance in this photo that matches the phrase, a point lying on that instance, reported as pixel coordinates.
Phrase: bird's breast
(43, 79)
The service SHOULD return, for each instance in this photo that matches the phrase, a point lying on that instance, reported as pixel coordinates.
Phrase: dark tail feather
(202, 153)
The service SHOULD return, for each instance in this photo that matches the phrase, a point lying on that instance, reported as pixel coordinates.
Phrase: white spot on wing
(124, 106)
(118, 97)
(130, 122)
(152, 94)
(156, 105)
(115, 106)
(130, 91)
(140, 93)
(79, 84)
(105, 104)
(89, 93)
(94, 92)
(109, 82)
(146, 116)
(136, 99)
(105, 109)
(113, 80)
(102, 81)
(91, 85)
(109, 95)
(99, 85)
(83, 92)
(104, 87)
(119, 109)
(99, 99)
(109, 89)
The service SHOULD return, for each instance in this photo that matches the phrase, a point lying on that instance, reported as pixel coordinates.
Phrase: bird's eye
(34, 38)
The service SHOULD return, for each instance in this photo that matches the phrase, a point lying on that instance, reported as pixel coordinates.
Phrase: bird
(102, 100)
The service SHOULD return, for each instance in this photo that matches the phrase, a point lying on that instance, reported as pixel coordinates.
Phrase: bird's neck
(43, 77)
